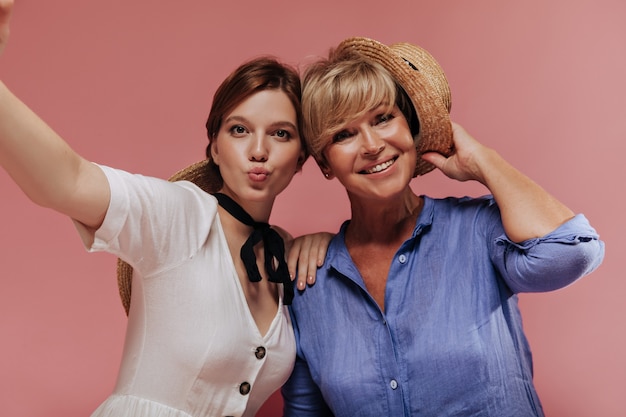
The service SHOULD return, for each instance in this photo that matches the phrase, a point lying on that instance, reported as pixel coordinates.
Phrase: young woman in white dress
(208, 331)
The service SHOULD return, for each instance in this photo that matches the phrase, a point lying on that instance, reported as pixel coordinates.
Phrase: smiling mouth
(379, 167)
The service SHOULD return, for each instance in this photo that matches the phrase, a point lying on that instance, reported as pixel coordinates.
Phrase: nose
(258, 148)
(372, 143)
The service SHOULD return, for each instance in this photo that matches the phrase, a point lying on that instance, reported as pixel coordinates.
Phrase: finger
(292, 257)
(6, 6)
(438, 160)
(314, 263)
(323, 248)
(322, 242)
(303, 263)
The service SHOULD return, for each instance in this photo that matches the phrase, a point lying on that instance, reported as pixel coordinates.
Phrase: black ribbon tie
(273, 244)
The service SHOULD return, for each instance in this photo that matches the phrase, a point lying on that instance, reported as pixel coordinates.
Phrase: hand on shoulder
(306, 254)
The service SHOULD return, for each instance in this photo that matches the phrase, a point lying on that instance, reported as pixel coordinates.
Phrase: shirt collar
(339, 257)
(425, 219)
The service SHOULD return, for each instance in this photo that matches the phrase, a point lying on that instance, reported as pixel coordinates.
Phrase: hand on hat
(6, 6)
(465, 163)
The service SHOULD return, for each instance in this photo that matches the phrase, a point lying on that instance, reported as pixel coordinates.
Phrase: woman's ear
(214, 151)
(301, 160)
(326, 171)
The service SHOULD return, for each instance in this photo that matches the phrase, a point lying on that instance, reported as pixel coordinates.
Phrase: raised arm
(41, 163)
(528, 211)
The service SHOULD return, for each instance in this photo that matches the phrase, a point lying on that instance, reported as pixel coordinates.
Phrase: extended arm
(528, 211)
(42, 164)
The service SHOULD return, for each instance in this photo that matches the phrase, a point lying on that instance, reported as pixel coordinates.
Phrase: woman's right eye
(341, 136)
(238, 130)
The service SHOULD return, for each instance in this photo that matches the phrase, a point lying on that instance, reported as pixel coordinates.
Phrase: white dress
(192, 346)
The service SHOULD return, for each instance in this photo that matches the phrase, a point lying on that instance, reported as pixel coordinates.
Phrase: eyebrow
(282, 123)
(384, 104)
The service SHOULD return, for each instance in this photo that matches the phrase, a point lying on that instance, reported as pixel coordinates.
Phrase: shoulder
(283, 233)
(465, 202)
(152, 188)
(462, 217)
(460, 207)
(148, 204)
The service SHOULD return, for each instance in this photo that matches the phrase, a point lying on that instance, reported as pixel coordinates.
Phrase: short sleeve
(152, 222)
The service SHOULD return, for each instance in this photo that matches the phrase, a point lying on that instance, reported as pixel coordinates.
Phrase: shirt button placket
(245, 387)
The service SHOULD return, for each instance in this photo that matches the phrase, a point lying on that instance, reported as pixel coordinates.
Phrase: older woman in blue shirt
(415, 310)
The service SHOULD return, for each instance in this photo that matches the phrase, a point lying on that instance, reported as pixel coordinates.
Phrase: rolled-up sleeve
(553, 261)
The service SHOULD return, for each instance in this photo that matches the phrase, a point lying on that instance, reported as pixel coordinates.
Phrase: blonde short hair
(339, 89)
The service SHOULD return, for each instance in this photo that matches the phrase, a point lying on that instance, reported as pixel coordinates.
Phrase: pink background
(128, 83)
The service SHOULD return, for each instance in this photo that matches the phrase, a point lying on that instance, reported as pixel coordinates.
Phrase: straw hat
(201, 174)
(421, 77)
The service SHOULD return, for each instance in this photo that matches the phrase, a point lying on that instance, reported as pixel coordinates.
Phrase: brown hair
(259, 74)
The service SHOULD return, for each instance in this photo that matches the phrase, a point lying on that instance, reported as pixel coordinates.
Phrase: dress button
(260, 352)
(393, 384)
(402, 258)
(244, 388)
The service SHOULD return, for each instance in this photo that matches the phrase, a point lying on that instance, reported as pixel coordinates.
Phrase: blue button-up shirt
(450, 341)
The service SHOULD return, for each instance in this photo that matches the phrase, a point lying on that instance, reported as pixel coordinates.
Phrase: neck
(270, 241)
(259, 210)
(383, 221)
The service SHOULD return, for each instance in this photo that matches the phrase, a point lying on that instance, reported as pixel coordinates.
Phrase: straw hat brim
(421, 77)
(200, 174)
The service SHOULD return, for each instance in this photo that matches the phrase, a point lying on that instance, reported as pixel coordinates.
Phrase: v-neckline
(242, 296)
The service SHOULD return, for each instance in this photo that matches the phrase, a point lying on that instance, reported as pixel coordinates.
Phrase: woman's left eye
(283, 134)
(383, 118)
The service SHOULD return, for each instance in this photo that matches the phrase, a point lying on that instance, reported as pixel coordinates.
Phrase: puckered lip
(258, 171)
(379, 166)
(258, 174)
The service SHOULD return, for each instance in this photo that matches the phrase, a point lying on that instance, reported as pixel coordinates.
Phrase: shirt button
(260, 352)
(244, 388)
(393, 384)
(402, 258)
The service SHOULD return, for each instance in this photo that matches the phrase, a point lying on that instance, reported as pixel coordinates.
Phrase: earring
(326, 174)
